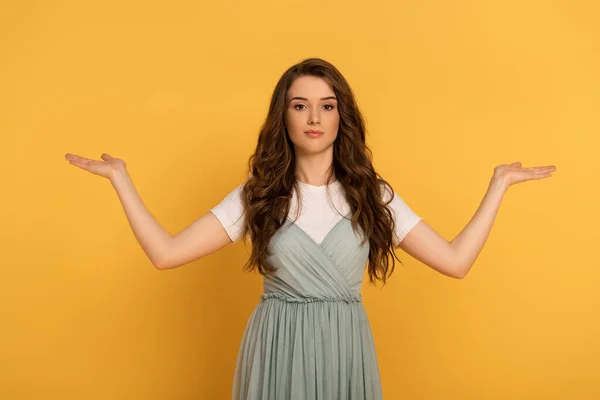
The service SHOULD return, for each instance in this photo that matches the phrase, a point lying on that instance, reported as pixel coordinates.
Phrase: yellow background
(178, 89)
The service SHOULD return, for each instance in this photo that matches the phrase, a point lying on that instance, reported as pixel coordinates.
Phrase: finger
(76, 158)
(542, 169)
(547, 169)
(78, 164)
(542, 175)
(85, 163)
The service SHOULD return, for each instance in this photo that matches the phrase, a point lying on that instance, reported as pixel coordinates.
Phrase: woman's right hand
(107, 168)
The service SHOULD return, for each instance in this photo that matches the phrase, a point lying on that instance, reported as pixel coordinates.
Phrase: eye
(326, 105)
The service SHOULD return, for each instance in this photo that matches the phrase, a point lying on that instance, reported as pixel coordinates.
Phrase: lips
(314, 132)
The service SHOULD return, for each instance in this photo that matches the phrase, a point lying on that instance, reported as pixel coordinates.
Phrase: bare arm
(204, 236)
(469, 242)
(153, 238)
(426, 245)
(455, 258)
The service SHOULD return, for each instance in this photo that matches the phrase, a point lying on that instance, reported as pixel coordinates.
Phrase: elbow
(160, 265)
(160, 260)
(166, 264)
(461, 272)
(461, 268)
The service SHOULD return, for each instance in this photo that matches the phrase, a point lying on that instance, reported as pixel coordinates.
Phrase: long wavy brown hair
(267, 193)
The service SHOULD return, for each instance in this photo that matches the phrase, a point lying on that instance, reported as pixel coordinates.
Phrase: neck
(314, 169)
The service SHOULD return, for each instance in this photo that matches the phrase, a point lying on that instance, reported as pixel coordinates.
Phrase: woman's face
(311, 105)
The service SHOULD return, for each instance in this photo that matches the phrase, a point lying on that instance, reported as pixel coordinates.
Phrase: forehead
(310, 87)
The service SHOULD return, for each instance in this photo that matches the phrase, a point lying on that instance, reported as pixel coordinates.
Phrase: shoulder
(404, 216)
(230, 211)
(385, 191)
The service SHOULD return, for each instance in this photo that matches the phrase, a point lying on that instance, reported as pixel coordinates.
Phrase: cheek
(334, 120)
(291, 121)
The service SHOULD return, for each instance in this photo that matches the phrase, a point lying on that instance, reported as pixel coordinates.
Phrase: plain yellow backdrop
(178, 89)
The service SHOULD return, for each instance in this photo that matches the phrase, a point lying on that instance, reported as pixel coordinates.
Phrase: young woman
(317, 215)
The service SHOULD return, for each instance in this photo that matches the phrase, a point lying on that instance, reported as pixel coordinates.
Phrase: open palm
(513, 173)
(106, 168)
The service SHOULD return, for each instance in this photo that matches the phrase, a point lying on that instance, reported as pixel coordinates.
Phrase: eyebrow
(322, 98)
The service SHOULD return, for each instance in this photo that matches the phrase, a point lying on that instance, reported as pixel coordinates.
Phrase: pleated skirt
(316, 349)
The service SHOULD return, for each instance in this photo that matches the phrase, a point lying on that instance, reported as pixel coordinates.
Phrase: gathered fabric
(309, 337)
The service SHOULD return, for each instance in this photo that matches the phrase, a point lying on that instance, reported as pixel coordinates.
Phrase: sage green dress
(309, 337)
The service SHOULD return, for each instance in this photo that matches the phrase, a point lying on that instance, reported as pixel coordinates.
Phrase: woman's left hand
(509, 174)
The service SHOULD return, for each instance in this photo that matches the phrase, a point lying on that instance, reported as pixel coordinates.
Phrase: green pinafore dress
(309, 337)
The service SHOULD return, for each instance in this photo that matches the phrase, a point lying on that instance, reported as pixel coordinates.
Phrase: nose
(314, 118)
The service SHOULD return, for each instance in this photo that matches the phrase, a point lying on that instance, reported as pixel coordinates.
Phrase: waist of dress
(292, 299)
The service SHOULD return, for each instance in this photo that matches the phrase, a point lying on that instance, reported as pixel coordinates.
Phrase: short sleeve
(229, 212)
(404, 217)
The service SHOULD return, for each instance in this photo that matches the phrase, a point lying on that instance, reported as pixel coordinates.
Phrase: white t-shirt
(318, 213)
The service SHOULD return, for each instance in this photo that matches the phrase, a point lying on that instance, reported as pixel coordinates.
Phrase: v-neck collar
(327, 235)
